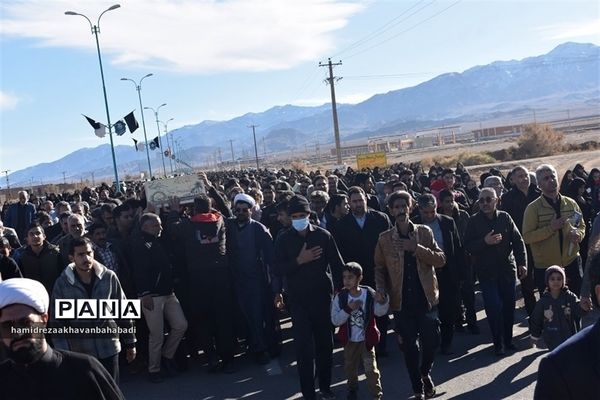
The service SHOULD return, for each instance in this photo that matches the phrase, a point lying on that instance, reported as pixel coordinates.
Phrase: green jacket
(544, 241)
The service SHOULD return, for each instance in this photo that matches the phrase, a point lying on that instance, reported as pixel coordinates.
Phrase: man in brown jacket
(405, 260)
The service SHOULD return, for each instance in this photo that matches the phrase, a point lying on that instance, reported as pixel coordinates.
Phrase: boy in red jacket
(354, 309)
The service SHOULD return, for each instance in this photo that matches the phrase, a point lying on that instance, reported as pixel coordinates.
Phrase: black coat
(572, 370)
(455, 256)
(514, 202)
(59, 374)
(152, 270)
(500, 260)
(358, 244)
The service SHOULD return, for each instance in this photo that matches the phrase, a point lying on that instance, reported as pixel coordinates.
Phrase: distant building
(492, 132)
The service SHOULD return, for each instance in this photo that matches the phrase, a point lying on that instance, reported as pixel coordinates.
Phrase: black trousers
(414, 329)
(111, 364)
(383, 324)
(313, 342)
(528, 285)
(466, 288)
(213, 305)
(449, 304)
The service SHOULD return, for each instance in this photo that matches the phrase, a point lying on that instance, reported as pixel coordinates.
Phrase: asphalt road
(472, 372)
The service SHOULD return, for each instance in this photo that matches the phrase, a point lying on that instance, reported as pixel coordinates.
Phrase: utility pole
(534, 117)
(255, 148)
(65, 179)
(231, 146)
(93, 181)
(264, 148)
(5, 172)
(336, 129)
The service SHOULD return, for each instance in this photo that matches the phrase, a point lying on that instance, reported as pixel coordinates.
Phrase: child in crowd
(556, 315)
(354, 309)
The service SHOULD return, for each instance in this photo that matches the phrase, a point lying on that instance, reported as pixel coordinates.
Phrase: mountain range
(566, 76)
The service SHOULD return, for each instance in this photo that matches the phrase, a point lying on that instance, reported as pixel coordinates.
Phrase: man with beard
(250, 252)
(34, 370)
(514, 202)
(405, 260)
(40, 260)
(76, 231)
(550, 229)
(448, 239)
(85, 278)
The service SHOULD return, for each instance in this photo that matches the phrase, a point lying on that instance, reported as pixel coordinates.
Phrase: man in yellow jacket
(553, 227)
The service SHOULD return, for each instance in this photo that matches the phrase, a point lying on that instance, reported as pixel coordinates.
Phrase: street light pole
(170, 144)
(255, 148)
(162, 154)
(138, 87)
(95, 31)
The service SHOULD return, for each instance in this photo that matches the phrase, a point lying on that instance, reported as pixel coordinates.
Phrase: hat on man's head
(555, 269)
(244, 198)
(298, 204)
(24, 291)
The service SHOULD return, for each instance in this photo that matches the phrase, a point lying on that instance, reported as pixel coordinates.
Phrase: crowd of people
(366, 251)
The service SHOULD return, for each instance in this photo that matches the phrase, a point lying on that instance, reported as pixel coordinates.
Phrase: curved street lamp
(138, 87)
(162, 154)
(95, 31)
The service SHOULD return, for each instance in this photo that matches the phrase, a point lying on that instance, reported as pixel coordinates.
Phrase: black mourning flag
(131, 122)
(154, 144)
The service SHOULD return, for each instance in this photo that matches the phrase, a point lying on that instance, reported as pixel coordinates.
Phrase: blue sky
(221, 59)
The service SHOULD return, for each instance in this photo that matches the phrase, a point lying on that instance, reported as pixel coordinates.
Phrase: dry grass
(466, 158)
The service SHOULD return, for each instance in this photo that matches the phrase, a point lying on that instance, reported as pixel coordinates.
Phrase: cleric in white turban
(24, 291)
(35, 370)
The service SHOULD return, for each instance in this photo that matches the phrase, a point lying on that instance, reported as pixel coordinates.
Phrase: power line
(406, 30)
(384, 28)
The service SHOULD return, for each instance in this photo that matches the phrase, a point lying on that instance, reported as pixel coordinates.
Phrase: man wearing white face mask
(307, 256)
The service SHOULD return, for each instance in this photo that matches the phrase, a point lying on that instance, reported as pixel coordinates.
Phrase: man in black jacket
(365, 182)
(572, 370)
(209, 279)
(494, 241)
(306, 255)
(514, 202)
(447, 238)
(153, 276)
(356, 235)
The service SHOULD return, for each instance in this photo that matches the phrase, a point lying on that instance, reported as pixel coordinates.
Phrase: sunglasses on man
(486, 200)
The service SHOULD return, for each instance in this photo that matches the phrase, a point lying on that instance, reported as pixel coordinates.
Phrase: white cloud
(189, 36)
(8, 101)
(572, 30)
